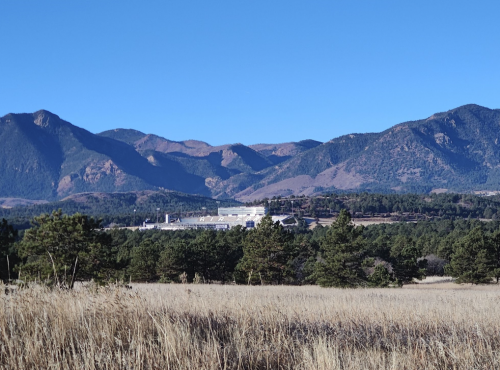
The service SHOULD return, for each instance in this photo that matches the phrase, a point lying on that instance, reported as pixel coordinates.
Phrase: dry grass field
(425, 326)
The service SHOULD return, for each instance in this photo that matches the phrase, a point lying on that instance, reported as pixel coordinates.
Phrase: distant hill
(118, 207)
(43, 157)
(18, 202)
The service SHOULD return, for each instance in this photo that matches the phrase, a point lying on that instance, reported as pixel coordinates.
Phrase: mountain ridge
(399, 152)
(45, 157)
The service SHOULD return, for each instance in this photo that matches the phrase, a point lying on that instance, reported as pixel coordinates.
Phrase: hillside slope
(457, 150)
(45, 157)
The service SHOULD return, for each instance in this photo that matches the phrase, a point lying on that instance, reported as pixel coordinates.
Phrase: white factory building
(227, 218)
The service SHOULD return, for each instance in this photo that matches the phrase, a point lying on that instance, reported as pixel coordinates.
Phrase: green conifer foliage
(175, 259)
(343, 254)
(406, 262)
(266, 251)
(495, 254)
(143, 262)
(8, 255)
(64, 249)
(381, 277)
(472, 260)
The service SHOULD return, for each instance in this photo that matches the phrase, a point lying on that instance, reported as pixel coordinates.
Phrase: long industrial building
(227, 218)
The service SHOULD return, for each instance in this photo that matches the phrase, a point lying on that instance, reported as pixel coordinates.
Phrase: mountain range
(47, 158)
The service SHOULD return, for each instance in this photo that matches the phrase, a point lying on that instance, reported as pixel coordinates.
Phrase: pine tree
(66, 248)
(495, 254)
(8, 255)
(175, 259)
(143, 262)
(406, 262)
(381, 277)
(229, 252)
(266, 251)
(343, 254)
(472, 260)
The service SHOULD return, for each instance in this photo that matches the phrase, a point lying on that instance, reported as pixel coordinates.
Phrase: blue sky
(247, 71)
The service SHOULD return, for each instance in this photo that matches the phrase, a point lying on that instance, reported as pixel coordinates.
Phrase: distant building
(243, 211)
(227, 218)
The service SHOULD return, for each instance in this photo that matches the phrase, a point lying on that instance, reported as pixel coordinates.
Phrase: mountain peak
(470, 107)
(43, 118)
(44, 111)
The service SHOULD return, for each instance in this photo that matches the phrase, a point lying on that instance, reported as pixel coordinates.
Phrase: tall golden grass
(239, 327)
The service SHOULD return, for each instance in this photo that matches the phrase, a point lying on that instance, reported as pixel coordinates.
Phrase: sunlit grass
(160, 326)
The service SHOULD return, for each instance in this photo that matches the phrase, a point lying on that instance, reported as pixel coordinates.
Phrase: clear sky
(247, 71)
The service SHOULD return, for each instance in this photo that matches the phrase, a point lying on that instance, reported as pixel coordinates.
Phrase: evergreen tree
(343, 255)
(266, 251)
(229, 252)
(8, 255)
(205, 255)
(305, 251)
(212, 255)
(495, 254)
(445, 246)
(143, 261)
(64, 248)
(381, 277)
(176, 259)
(380, 247)
(472, 260)
(406, 261)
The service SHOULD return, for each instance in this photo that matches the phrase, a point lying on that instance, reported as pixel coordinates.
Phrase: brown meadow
(157, 326)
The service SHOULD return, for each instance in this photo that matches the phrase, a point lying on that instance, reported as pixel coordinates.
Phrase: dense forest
(61, 249)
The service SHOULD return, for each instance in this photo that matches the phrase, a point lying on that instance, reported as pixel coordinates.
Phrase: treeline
(61, 249)
(117, 209)
(428, 205)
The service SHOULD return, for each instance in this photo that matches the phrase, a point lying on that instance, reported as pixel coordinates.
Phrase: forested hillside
(396, 206)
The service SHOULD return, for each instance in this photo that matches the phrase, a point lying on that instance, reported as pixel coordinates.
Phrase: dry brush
(234, 327)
